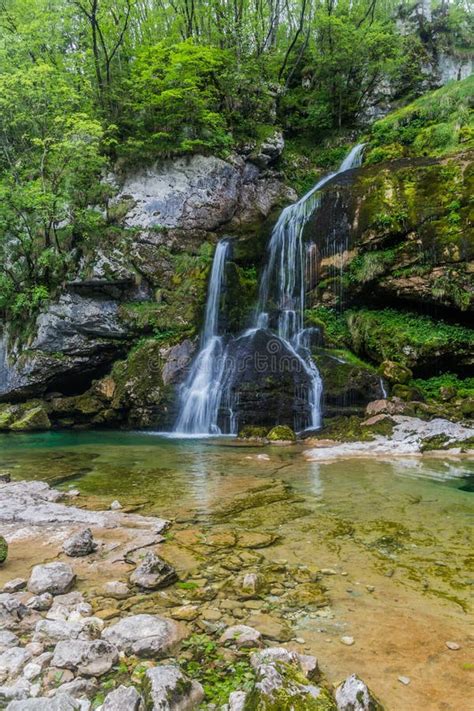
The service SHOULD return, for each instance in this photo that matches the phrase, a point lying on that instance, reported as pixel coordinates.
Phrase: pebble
(328, 571)
(349, 641)
(115, 505)
(453, 645)
(370, 588)
(405, 680)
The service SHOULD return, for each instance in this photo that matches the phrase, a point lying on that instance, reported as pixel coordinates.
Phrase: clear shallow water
(401, 528)
(411, 515)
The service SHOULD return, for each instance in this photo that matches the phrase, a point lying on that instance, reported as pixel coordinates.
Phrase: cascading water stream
(280, 309)
(200, 394)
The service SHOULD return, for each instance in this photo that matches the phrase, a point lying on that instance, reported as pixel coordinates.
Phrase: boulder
(13, 660)
(61, 702)
(7, 640)
(153, 573)
(85, 657)
(241, 636)
(281, 433)
(80, 544)
(55, 578)
(144, 635)
(168, 689)
(354, 695)
(14, 585)
(307, 664)
(125, 698)
(395, 372)
(269, 150)
(34, 419)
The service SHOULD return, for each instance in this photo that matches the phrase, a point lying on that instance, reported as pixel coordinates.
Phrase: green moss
(438, 123)
(3, 550)
(332, 324)
(431, 387)
(281, 433)
(32, 419)
(253, 432)
(294, 694)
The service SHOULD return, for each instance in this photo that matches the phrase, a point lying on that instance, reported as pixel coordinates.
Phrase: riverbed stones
(116, 589)
(144, 635)
(153, 573)
(453, 646)
(41, 603)
(14, 585)
(80, 544)
(241, 636)
(85, 657)
(7, 640)
(354, 695)
(61, 702)
(12, 661)
(168, 689)
(125, 698)
(55, 578)
(348, 641)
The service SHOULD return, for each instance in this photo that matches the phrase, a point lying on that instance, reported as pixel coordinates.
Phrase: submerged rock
(144, 635)
(80, 544)
(354, 695)
(168, 689)
(55, 578)
(153, 573)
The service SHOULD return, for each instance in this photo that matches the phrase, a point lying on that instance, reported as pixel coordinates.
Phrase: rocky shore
(105, 623)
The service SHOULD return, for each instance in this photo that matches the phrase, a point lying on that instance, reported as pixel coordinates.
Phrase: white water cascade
(200, 394)
(283, 285)
(280, 309)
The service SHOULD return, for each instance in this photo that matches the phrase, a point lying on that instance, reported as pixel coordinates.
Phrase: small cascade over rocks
(275, 353)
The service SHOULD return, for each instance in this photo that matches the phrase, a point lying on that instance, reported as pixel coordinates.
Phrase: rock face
(55, 578)
(168, 689)
(153, 573)
(201, 192)
(144, 635)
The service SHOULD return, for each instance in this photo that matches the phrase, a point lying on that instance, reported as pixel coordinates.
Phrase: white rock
(306, 663)
(171, 690)
(13, 660)
(241, 636)
(405, 680)
(80, 544)
(61, 702)
(144, 635)
(115, 505)
(14, 585)
(348, 641)
(31, 671)
(453, 646)
(354, 695)
(40, 602)
(7, 640)
(21, 689)
(125, 698)
(88, 658)
(237, 701)
(116, 590)
(34, 648)
(55, 578)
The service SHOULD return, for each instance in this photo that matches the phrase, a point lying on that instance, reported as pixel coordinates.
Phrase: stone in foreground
(88, 658)
(168, 689)
(153, 573)
(55, 578)
(241, 636)
(61, 702)
(144, 635)
(80, 544)
(354, 695)
(125, 698)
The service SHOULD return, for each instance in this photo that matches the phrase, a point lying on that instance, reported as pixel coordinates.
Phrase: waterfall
(283, 286)
(201, 393)
(280, 309)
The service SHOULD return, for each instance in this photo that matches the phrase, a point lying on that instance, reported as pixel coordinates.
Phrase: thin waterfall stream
(280, 310)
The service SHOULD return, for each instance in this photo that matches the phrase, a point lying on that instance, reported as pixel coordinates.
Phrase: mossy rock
(296, 693)
(395, 373)
(3, 550)
(253, 432)
(6, 416)
(281, 433)
(407, 393)
(33, 419)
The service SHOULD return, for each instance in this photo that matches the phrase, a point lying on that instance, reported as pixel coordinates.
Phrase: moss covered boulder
(3, 550)
(31, 418)
(281, 433)
(395, 372)
(253, 432)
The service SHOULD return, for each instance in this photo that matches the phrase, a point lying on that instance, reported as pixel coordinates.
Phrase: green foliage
(367, 267)
(435, 124)
(218, 675)
(430, 387)
(332, 323)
